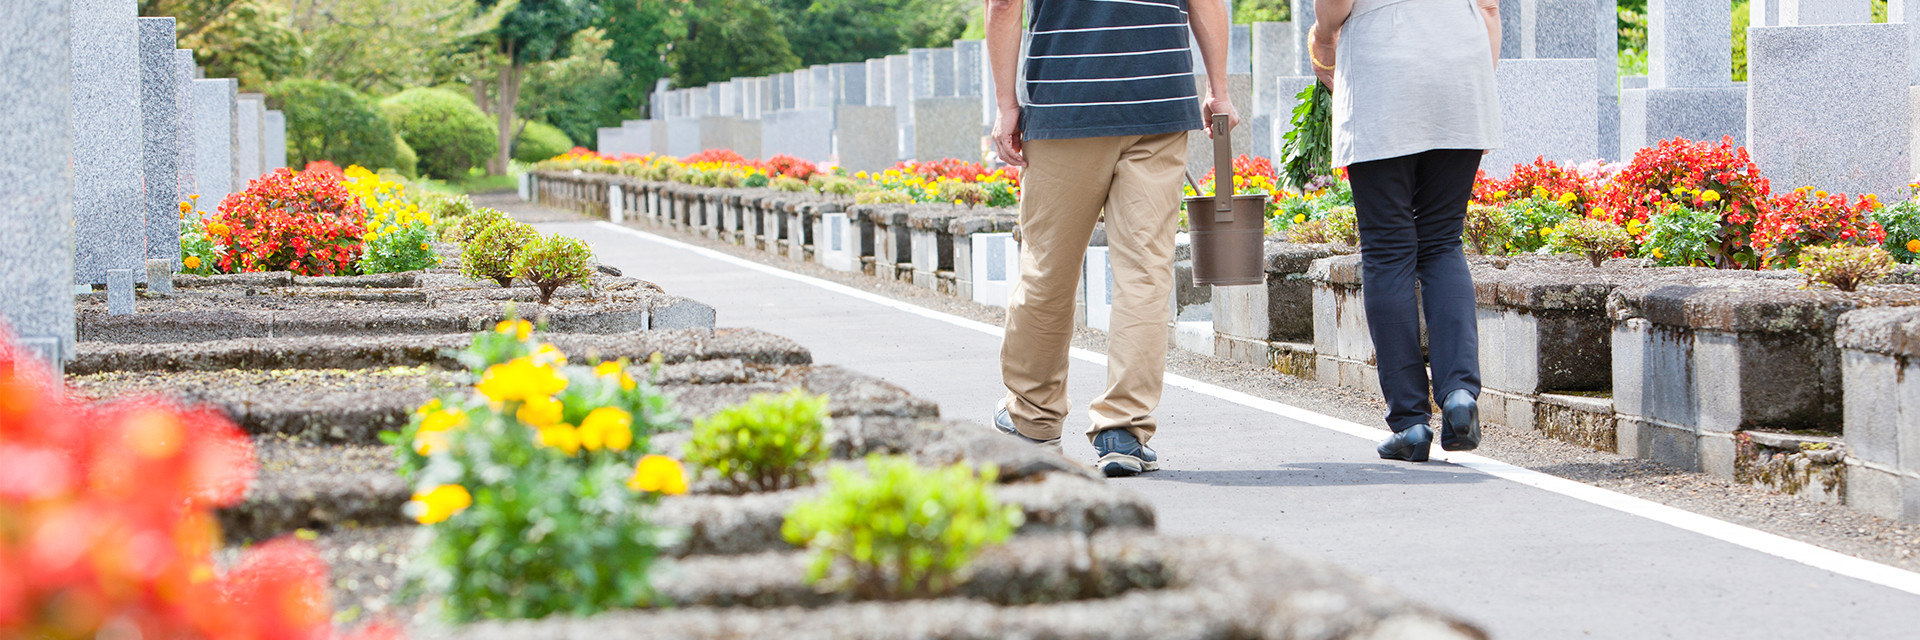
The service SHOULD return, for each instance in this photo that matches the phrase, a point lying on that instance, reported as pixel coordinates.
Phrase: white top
(1411, 76)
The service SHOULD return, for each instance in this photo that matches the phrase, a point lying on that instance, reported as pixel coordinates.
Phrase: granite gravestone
(638, 136)
(1828, 106)
(1239, 49)
(969, 61)
(1271, 58)
(109, 206)
(609, 140)
(36, 181)
(160, 127)
(900, 95)
(249, 127)
(183, 129)
(214, 103)
(698, 104)
(1907, 14)
(802, 133)
(823, 88)
(877, 95)
(1303, 26)
(1199, 147)
(920, 78)
(1546, 110)
(851, 78)
(946, 128)
(865, 138)
(1689, 89)
(1585, 29)
(942, 64)
(275, 142)
(683, 136)
(1806, 13)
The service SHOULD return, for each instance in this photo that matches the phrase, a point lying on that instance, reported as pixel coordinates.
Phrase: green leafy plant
(957, 192)
(403, 248)
(1308, 148)
(1487, 230)
(883, 196)
(1679, 236)
(783, 183)
(1534, 218)
(466, 228)
(331, 121)
(1901, 220)
(552, 262)
(1595, 239)
(901, 530)
(769, 443)
(840, 186)
(755, 181)
(490, 256)
(1845, 267)
(539, 141)
(450, 133)
(1343, 225)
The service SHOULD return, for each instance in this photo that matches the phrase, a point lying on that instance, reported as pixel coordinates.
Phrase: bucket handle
(1222, 170)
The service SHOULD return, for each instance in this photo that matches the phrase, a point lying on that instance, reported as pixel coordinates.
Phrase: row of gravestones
(106, 129)
(1826, 104)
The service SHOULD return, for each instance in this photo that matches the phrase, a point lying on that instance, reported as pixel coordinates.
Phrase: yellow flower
(521, 328)
(191, 262)
(547, 354)
(434, 427)
(539, 412)
(1566, 198)
(1710, 195)
(424, 247)
(609, 427)
(439, 503)
(1500, 195)
(1633, 226)
(1913, 246)
(561, 436)
(1540, 192)
(1821, 194)
(613, 369)
(1657, 254)
(1299, 217)
(520, 379)
(658, 474)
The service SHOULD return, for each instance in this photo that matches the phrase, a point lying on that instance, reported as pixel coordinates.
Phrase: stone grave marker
(183, 129)
(900, 95)
(1271, 58)
(160, 119)
(946, 128)
(275, 142)
(1689, 89)
(969, 65)
(1806, 13)
(109, 206)
(1828, 106)
(249, 157)
(836, 247)
(609, 140)
(877, 83)
(683, 136)
(942, 65)
(214, 104)
(36, 196)
(996, 266)
(1096, 278)
(920, 81)
(865, 138)
(1303, 26)
(639, 136)
(823, 87)
(802, 133)
(852, 83)
(1546, 110)
(1199, 147)
(1239, 50)
(698, 104)
(1585, 29)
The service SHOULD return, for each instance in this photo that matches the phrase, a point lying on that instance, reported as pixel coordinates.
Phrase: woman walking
(1414, 108)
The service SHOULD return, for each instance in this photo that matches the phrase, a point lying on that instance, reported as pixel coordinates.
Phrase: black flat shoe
(1410, 445)
(1460, 422)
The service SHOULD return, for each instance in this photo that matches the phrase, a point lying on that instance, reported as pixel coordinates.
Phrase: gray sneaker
(1003, 422)
(1123, 455)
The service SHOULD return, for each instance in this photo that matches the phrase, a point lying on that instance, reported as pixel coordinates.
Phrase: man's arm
(1209, 21)
(1003, 56)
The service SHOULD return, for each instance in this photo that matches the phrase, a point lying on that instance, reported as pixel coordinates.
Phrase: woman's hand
(1323, 46)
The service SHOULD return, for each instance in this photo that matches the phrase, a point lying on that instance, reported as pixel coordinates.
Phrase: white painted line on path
(1770, 544)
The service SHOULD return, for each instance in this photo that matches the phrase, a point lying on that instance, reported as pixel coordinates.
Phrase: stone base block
(1662, 443)
(1342, 372)
(1648, 116)
(1239, 349)
(1194, 336)
(1580, 420)
(1811, 467)
(1880, 491)
(1292, 358)
(1510, 410)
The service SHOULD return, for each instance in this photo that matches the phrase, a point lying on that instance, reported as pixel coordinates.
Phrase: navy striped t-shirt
(1108, 68)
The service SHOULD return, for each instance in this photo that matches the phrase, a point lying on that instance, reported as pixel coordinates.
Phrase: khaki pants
(1067, 184)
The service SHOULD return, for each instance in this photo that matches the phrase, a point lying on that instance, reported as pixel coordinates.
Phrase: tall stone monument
(1828, 106)
(249, 159)
(160, 127)
(109, 206)
(36, 181)
(184, 129)
(214, 105)
(1690, 92)
(274, 140)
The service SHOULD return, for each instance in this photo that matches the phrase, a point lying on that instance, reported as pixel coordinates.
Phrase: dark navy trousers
(1411, 209)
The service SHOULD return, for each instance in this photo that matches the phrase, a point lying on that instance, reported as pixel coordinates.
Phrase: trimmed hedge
(445, 129)
(330, 121)
(540, 141)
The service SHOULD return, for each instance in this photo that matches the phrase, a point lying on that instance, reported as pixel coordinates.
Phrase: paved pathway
(1524, 562)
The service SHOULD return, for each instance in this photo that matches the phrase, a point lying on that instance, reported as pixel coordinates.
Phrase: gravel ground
(1831, 526)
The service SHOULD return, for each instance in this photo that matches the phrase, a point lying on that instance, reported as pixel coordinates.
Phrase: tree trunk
(509, 97)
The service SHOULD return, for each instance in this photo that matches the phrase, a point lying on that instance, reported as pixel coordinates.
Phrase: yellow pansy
(561, 436)
(658, 474)
(520, 379)
(439, 503)
(608, 427)
(1299, 217)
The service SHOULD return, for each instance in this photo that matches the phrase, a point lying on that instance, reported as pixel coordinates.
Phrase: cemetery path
(1522, 561)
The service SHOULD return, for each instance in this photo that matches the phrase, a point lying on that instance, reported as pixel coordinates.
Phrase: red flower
(279, 221)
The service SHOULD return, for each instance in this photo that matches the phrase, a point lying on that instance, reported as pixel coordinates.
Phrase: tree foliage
(829, 31)
(577, 94)
(247, 40)
(531, 31)
(726, 39)
(389, 45)
(638, 33)
(330, 121)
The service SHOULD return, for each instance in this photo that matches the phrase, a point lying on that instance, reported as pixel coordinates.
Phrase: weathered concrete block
(946, 128)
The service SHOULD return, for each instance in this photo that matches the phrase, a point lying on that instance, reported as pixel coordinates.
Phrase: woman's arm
(1329, 16)
(1490, 11)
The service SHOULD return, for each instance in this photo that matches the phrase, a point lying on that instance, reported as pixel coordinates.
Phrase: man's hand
(1006, 136)
(1219, 104)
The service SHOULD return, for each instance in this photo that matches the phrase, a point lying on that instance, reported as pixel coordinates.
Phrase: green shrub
(403, 248)
(902, 531)
(540, 141)
(755, 181)
(784, 183)
(1343, 225)
(405, 161)
(1901, 220)
(967, 193)
(450, 134)
(1680, 237)
(463, 230)
(769, 443)
(1846, 267)
(1535, 217)
(490, 255)
(330, 121)
(444, 209)
(1487, 230)
(552, 262)
(1595, 239)
(883, 196)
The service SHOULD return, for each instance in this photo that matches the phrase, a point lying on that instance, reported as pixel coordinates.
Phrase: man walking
(1098, 114)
